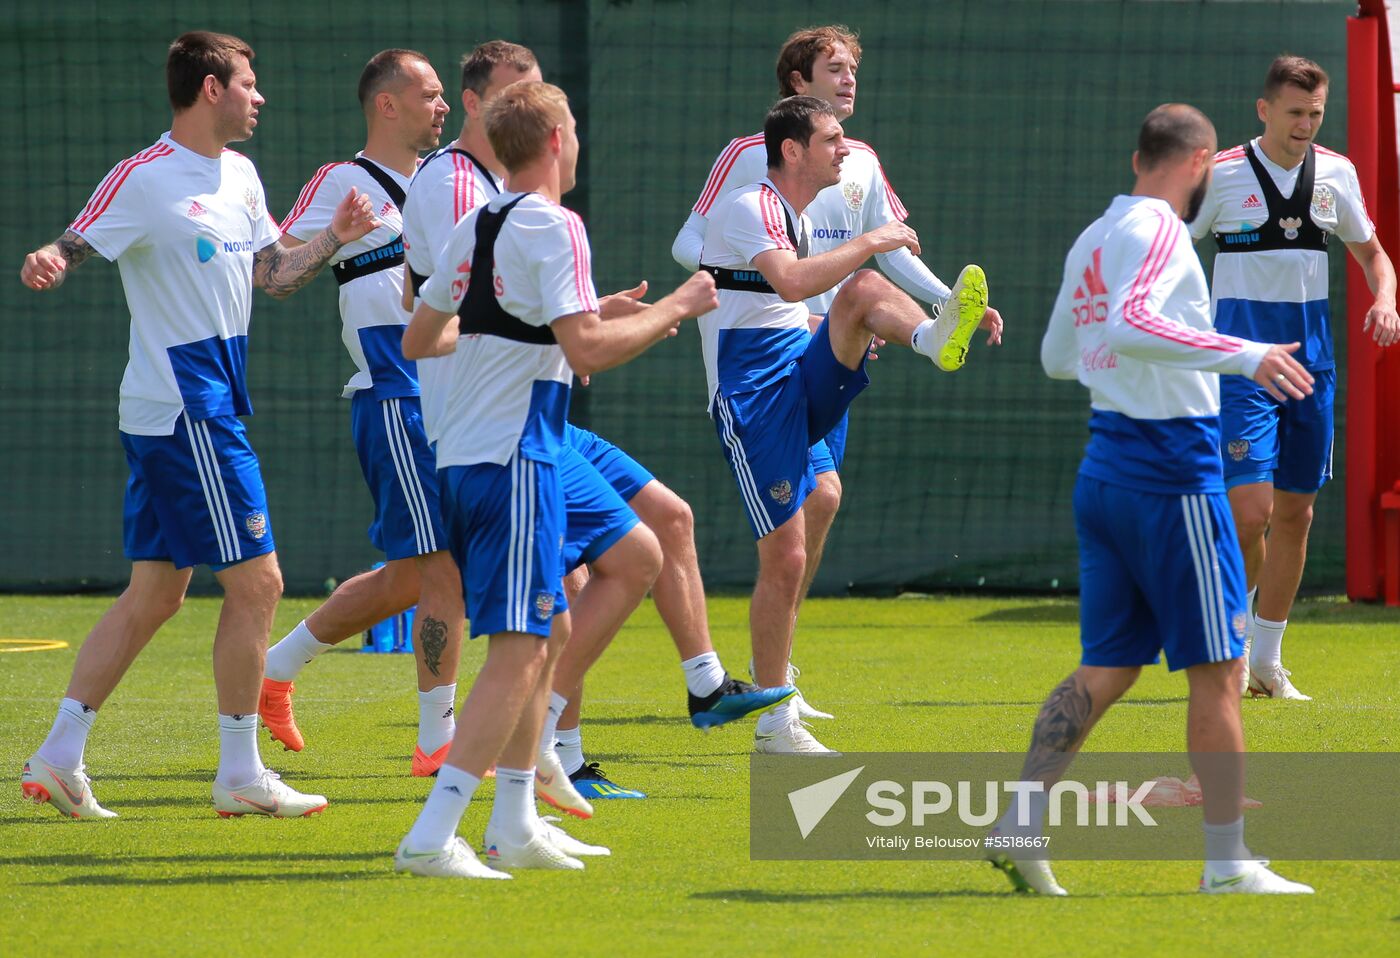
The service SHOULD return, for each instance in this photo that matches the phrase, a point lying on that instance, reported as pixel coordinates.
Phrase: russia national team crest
(256, 524)
(1239, 622)
(854, 194)
(1324, 201)
(781, 491)
(1290, 226)
(544, 605)
(1238, 449)
(250, 198)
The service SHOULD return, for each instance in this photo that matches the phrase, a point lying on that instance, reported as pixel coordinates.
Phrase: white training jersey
(182, 228)
(449, 184)
(862, 201)
(752, 339)
(503, 394)
(1278, 295)
(371, 304)
(1132, 323)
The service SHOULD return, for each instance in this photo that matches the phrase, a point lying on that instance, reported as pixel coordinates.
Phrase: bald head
(1172, 132)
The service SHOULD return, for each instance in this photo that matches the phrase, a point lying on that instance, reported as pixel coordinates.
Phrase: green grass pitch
(169, 877)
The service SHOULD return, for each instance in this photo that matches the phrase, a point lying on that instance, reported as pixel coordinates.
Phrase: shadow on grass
(764, 896)
(225, 878)
(1059, 614)
(93, 861)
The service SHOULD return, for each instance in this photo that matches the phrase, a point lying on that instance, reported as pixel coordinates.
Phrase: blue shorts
(195, 497)
(1287, 444)
(505, 526)
(773, 437)
(401, 472)
(596, 515)
(1157, 573)
(623, 473)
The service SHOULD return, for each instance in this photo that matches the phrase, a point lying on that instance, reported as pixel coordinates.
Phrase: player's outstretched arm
(690, 242)
(593, 345)
(1381, 319)
(280, 270)
(797, 279)
(48, 266)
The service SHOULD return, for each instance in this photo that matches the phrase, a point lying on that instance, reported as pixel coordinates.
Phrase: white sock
(1225, 850)
(239, 763)
(1249, 601)
(568, 743)
(443, 810)
(513, 814)
(435, 723)
(1033, 806)
(288, 657)
(1268, 644)
(557, 704)
(923, 340)
(777, 719)
(703, 674)
(68, 737)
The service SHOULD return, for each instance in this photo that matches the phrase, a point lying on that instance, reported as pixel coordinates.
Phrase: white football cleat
(67, 789)
(794, 739)
(1274, 684)
(266, 795)
(1028, 874)
(553, 787)
(1244, 659)
(538, 852)
(805, 709)
(567, 843)
(454, 861)
(1256, 879)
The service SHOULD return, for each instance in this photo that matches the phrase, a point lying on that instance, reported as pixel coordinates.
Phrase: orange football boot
(275, 708)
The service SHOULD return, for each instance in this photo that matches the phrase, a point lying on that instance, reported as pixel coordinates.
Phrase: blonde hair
(521, 117)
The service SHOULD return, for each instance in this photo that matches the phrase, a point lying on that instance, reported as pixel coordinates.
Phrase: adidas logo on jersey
(387, 208)
(1252, 202)
(195, 209)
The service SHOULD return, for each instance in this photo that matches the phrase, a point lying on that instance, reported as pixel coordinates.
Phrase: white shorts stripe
(529, 564)
(404, 464)
(512, 554)
(222, 493)
(196, 448)
(1198, 561)
(1222, 618)
(748, 489)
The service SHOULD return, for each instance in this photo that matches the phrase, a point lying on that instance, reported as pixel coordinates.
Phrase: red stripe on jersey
(773, 219)
(720, 171)
(1233, 153)
(1326, 152)
(463, 187)
(578, 239)
(107, 189)
(1135, 310)
(307, 194)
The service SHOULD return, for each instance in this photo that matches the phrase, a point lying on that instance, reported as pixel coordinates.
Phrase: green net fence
(1004, 127)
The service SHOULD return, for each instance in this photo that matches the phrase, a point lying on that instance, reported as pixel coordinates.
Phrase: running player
(822, 62)
(450, 184)
(777, 388)
(186, 222)
(1274, 203)
(1160, 569)
(515, 275)
(402, 101)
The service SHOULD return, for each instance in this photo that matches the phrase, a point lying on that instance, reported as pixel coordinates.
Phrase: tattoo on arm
(1063, 721)
(73, 248)
(280, 271)
(433, 637)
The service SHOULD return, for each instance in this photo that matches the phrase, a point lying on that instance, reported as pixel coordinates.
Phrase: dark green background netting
(1005, 128)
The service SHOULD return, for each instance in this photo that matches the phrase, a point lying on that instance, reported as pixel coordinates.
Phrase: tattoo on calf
(433, 637)
(1062, 722)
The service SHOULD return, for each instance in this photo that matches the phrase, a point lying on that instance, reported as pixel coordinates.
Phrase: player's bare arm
(797, 279)
(1282, 375)
(407, 301)
(592, 345)
(627, 302)
(280, 269)
(1381, 319)
(46, 267)
(430, 333)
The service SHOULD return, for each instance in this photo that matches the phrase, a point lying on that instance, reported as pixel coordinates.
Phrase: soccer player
(449, 185)
(1160, 569)
(402, 101)
(1273, 204)
(777, 388)
(822, 62)
(515, 276)
(186, 221)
